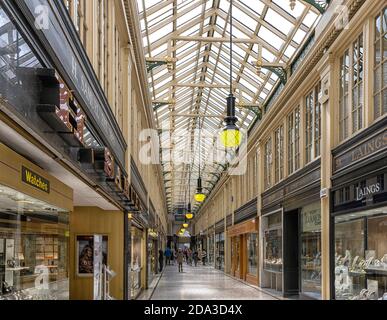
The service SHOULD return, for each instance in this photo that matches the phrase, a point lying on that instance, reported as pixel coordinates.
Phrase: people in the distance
(168, 255)
(204, 256)
(196, 258)
(180, 259)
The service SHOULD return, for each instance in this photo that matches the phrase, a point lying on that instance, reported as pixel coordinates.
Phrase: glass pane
(361, 255)
(349, 248)
(34, 239)
(252, 245)
(378, 27)
(311, 251)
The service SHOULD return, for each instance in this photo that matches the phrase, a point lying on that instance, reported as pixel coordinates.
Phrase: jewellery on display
(355, 262)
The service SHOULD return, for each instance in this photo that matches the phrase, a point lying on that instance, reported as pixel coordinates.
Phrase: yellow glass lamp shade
(200, 197)
(182, 230)
(185, 225)
(231, 137)
(189, 216)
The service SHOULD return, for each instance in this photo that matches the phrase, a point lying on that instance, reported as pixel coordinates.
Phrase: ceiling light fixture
(189, 215)
(200, 196)
(231, 136)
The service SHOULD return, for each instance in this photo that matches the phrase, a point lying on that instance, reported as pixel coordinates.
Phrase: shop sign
(311, 218)
(373, 145)
(35, 180)
(362, 193)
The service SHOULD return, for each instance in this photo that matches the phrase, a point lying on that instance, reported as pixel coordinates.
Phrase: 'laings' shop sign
(373, 145)
(362, 193)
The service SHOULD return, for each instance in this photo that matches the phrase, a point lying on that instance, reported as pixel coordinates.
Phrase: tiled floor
(203, 283)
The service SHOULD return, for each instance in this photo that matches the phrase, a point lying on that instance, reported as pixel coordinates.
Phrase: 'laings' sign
(362, 193)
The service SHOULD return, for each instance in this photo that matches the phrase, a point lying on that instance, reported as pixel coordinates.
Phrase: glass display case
(311, 251)
(219, 239)
(361, 255)
(137, 266)
(211, 248)
(252, 247)
(34, 240)
(272, 237)
(235, 254)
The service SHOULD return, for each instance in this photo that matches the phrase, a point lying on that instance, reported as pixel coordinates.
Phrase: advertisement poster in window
(85, 254)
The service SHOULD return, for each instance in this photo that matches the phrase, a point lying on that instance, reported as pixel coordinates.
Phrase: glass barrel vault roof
(193, 90)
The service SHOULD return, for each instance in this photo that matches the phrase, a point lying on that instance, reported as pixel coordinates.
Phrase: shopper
(180, 259)
(161, 260)
(168, 254)
(204, 257)
(196, 258)
(189, 257)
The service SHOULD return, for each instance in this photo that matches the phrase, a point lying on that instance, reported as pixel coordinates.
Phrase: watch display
(360, 256)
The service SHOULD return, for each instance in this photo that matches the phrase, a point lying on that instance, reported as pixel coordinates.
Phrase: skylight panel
(289, 52)
(256, 6)
(224, 5)
(160, 33)
(278, 21)
(191, 31)
(270, 38)
(299, 36)
(221, 23)
(244, 19)
(247, 85)
(310, 19)
(159, 15)
(189, 16)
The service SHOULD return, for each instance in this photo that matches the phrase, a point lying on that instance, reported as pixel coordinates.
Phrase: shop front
(34, 231)
(359, 217)
(291, 235)
(153, 248)
(137, 260)
(244, 250)
(243, 237)
(220, 245)
(211, 247)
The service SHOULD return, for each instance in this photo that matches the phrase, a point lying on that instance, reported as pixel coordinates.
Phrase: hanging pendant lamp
(199, 195)
(189, 215)
(231, 136)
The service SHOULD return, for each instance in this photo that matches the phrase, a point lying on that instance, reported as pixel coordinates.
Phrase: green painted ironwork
(280, 72)
(150, 65)
(320, 5)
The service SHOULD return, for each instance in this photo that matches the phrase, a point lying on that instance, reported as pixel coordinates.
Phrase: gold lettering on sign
(370, 147)
(35, 180)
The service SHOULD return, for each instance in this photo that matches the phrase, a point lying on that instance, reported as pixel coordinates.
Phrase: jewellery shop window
(273, 243)
(311, 250)
(136, 261)
(34, 239)
(211, 240)
(361, 255)
(219, 239)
